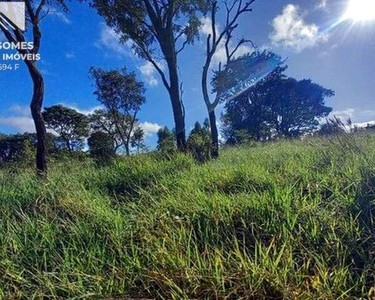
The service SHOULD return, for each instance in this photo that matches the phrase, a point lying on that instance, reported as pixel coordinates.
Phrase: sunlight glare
(360, 10)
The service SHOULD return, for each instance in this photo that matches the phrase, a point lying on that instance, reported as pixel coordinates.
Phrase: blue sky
(338, 56)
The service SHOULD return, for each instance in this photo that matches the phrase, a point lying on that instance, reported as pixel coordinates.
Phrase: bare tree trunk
(211, 114)
(127, 149)
(213, 43)
(178, 115)
(167, 40)
(214, 134)
(170, 54)
(36, 113)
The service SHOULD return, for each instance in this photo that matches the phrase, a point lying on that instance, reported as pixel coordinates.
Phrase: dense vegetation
(290, 219)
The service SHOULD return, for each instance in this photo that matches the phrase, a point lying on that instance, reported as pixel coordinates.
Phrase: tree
(138, 139)
(122, 95)
(35, 12)
(71, 126)
(277, 106)
(199, 142)
(101, 147)
(157, 29)
(166, 141)
(101, 121)
(13, 147)
(215, 41)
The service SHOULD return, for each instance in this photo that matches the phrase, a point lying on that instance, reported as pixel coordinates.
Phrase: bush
(101, 147)
(199, 142)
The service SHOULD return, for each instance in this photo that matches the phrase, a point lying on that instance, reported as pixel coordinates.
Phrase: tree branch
(153, 62)
(183, 46)
(239, 44)
(239, 7)
(39, 9)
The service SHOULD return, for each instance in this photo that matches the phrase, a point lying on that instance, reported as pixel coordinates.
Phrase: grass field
(287, 220)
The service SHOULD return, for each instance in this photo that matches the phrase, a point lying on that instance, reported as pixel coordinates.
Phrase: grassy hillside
(283, 220)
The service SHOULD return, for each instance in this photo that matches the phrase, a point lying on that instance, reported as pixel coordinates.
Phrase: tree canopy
(71, 126)
(158, 32)
(101, 147)
(199, 142)
(122, 95)
(166, 141)
(278, 106)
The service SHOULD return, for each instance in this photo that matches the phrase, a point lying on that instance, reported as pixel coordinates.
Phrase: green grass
(290, 220)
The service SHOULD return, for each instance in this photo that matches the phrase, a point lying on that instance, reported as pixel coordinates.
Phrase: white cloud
(20, 123)
(322, 4)
(70, 55)
(85, 111)
(22, 110)
(59, 15)
(110, 40)
(149, 73)
(365, 124)
(291, 31)
(360, 118)
(369, 113)
(206, 26)
(344, 114)
(150, 128)
(21, 119)
(220, 55)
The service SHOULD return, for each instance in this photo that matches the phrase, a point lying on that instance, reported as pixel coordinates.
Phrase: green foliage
(71, 126)
(12, 147)
(277, 106)
(241, 136)
(21, 148)
(138, 139)
(101, 147)
(199, 142)
(101, 121)
(166, 141)
(139, 21)
(122, 95)
(158, 31)
(291, 219)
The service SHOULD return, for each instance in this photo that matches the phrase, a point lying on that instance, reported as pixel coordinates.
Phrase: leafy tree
(101, 121)
(12, 147)
(71, 126)
(35, 11)
(166, 141)
(214, 43)
(122, 95)
(277, 106)
(239, 137)
(101, 147)
(138, 139)
(199, 142)
(17, 147)
(157, 29)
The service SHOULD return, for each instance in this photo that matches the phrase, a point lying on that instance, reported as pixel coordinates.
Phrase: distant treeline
(276, 107)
